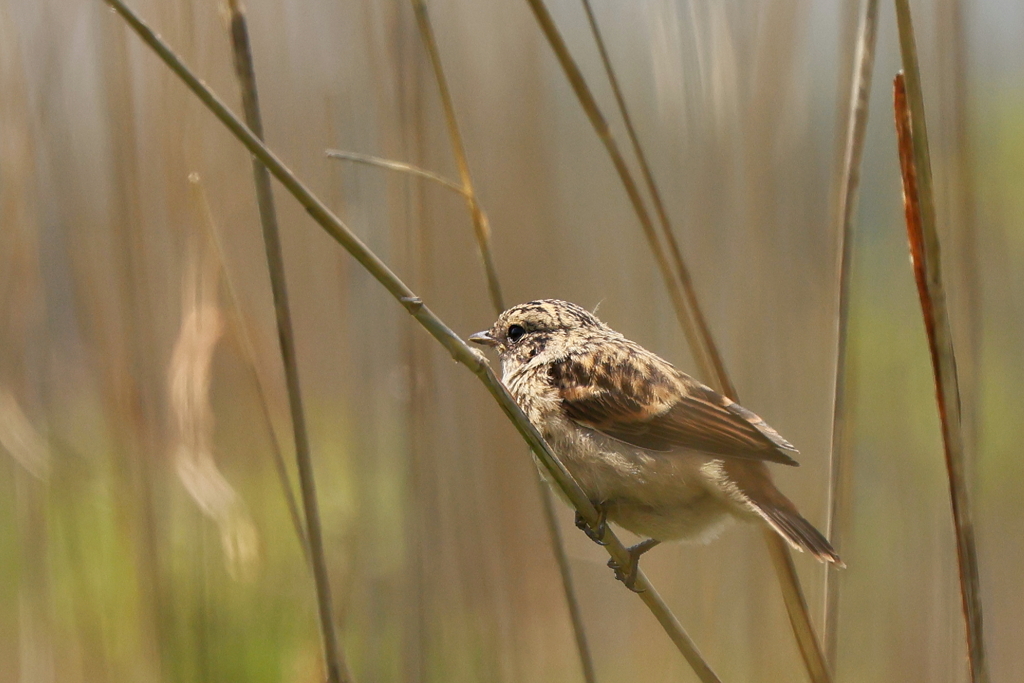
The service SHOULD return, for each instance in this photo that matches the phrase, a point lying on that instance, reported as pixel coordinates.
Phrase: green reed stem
(337, 671)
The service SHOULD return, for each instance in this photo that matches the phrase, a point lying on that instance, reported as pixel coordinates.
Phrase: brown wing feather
(639, 399)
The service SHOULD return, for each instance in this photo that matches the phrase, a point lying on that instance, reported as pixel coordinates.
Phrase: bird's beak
(484, 338)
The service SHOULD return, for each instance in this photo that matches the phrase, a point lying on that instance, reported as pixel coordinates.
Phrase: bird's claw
(628, 578)
(628, 574)
(595, 534)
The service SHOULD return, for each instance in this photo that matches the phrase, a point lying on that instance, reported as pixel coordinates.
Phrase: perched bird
(656, 451)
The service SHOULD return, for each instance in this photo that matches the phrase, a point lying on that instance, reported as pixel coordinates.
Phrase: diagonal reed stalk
(688, 310)
(460, 352)
(839, 460)
(918, 199)
(336, 670)
(483, 237)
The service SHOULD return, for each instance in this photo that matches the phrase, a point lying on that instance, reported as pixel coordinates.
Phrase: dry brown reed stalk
(849, 185)
(242, 334)
(681, 291)
(483, 237)
(589, 104)
(459, 350)
(714, 358)
(188, 376)
(918, 201)
(796, 607)
(334, 662)
(480, 225)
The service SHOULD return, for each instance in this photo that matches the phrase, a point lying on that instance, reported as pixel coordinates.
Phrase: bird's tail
(798, 532)
(760, 495)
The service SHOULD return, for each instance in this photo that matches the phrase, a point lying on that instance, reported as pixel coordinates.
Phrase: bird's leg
(627, 574)
(595, 534)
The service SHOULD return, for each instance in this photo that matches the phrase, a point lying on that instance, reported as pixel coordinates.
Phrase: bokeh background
(126, 555)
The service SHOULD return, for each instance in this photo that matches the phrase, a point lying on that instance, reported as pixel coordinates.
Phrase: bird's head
(525, 331)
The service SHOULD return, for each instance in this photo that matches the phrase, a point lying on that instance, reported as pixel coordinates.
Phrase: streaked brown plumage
(663, 455)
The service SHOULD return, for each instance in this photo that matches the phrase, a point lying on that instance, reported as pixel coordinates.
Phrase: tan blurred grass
(744, 140)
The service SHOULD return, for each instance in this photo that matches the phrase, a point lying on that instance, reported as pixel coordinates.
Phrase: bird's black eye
(515, 333)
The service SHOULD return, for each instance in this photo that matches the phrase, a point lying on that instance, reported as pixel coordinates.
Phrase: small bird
(656, 451)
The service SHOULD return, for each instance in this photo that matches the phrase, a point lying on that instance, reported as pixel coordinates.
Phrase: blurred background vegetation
(124, 556)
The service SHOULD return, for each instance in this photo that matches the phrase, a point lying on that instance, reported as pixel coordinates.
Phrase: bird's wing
(640, 399)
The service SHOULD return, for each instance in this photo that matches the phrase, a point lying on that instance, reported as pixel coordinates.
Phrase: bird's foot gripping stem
(595, 534)
(627, 574)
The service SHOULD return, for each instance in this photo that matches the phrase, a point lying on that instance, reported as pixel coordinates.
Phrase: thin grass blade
(480, 224)
(839, 460)
(399, 166)
(712, 357)
(796, 607)
(604, 133)
(337, 671)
